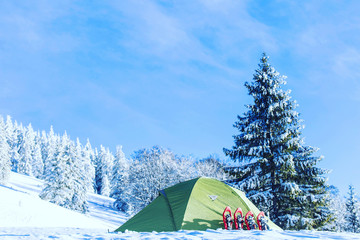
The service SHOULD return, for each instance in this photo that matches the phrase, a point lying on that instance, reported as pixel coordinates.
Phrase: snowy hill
(25, 216)
(20, 206)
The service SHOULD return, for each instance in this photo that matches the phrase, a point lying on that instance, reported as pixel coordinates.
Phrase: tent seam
(171, 211)
(182, 221)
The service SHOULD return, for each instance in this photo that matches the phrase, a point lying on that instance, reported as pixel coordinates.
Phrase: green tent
(197, 204)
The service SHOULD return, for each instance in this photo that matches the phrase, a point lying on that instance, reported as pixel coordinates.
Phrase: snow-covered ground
(23, 215)
(22, 207)
(82, 233)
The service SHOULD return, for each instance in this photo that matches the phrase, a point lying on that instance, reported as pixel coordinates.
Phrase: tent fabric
(197, 204)
(178, 198)
(156, 216)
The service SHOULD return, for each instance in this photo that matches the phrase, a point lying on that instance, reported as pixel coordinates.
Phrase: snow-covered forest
(72, 169)
(275, 168)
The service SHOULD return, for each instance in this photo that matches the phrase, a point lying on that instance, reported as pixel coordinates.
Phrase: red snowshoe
(227, 218)
(238, 218)
(262, 222)
(250, 221)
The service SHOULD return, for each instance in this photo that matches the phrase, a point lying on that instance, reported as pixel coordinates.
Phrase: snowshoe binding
(227, 218)
(238, 219)
(262, 222)
(250, 221)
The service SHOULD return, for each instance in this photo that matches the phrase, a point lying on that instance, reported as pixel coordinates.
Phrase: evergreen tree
(11, 136)
(58, 183)
(105, 186)
(120, 181)
(15, 140)
(88, 156)
(103, 171)
(5, 164)
(352, 217)
(78, 174)
(50, 148)
(337, 206)
(98, 171)
(269, 146)
(94, 161)
(43, 142)
(26, 150)
(64, 179)
(36, 157)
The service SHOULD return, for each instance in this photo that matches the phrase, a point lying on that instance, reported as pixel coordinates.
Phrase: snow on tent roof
(187, 206)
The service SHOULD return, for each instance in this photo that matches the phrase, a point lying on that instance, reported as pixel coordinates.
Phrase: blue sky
(172, 73)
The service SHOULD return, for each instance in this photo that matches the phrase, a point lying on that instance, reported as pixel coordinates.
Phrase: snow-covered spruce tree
(336, 206)
(5, 164)
(80, 180)
(88, 156)
(43, 142)
(94, 161)
(98, 171)
(352, 217)
(269, 146)
(15, 144)
(26, 150)
(12, 139)
(120, 181)
(36, 157)
(105, 186)
(103, 169)
(58, 183)
(49, 148)
(64, 184)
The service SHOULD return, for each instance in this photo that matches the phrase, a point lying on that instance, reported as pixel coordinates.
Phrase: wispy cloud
(33, 26)
(346, 66)
(191, 38)
(172, 72)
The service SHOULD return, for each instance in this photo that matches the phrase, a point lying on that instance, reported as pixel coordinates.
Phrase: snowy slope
(23, 215)
(20, 206)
